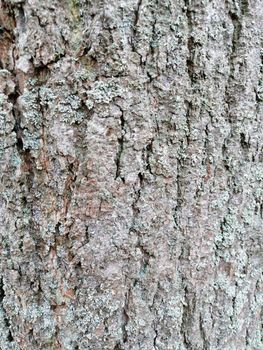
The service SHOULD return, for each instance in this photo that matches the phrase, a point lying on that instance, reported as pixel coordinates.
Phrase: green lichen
(104, 92)
(15, 160)
(70, 109)
(30, 105)
(74, 10)
(30, 141)
(231, 228)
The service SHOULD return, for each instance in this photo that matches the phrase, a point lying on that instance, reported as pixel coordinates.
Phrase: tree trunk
(131, 174)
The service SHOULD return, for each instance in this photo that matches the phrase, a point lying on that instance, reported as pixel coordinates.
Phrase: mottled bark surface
(131, 174)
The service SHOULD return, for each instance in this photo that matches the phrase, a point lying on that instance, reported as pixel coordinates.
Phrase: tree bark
(131, 174)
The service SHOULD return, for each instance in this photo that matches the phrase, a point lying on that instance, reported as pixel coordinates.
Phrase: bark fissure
(10, 338)
(135, 25)
(70, 185)
(125, 317)
(120, 149)
(17, 126)
(149, 154)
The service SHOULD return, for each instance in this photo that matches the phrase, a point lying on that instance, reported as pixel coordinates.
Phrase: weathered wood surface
(131, 174)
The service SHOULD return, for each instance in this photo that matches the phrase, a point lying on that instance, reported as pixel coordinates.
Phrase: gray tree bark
(131, 174)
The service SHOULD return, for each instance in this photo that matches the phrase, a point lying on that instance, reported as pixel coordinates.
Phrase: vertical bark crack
(149, 153)
(125, 317)
(135, 25)
(120, 148)
(6, 319)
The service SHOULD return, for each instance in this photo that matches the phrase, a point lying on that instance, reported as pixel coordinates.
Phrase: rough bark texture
(131, 174)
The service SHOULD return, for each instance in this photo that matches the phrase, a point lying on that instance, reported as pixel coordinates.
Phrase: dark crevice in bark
(149, 154)
(223, 228)
(225, 156)
(2, 291)
(6, 320)
(189, 111)
(125, 317)
(19, 140)
(206, 139)
(39, 20)
(120, 149)
(135, 209)
(135, 24)
(190, 42)
(138, 192)
(155, 339)
(175, 217)
(152, 42)
(41, 73)
(150, 78)
(118, 347)
(244, 142)
(57, 228)
(259, 99)
(145, 258)
(17, 126)
(247, 338)
(10, 338)
(261, 210)
(70, 185)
